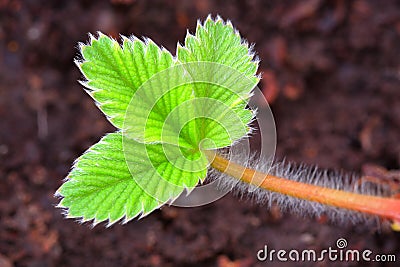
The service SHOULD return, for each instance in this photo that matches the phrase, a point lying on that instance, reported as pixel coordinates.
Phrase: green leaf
(217, 55)
(169, 110)
(216, 83)
(106, 184)
(218, 42)
(166, 110)
(114, 73)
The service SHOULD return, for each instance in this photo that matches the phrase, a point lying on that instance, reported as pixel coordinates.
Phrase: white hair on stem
(300, 173)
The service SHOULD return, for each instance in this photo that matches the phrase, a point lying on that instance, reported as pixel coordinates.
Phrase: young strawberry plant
(175, 115)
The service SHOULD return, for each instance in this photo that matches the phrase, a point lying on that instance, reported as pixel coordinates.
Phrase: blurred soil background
(331, 75)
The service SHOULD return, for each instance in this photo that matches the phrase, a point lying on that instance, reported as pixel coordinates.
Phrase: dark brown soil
(332, 69)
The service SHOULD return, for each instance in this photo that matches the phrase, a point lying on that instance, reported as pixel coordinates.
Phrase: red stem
(384, 207)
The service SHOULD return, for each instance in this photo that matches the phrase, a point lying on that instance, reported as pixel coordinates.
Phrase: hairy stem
(384, 207)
